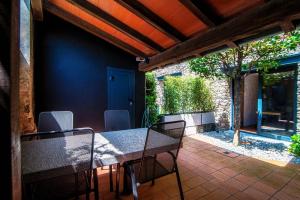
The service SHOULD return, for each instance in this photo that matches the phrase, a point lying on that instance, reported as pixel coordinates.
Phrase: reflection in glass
(278, 97)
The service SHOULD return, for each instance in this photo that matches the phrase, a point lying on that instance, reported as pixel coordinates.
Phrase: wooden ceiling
(168, 31)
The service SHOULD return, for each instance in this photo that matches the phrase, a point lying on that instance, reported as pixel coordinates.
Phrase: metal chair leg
(133, 183)
(118, 180)
(153, 171)
(87, 192)
(125, 183)
(96, 190)
(178, 180)
(76, 186)
(111, 184)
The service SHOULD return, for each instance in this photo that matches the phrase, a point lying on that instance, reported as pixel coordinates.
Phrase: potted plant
(189, 99)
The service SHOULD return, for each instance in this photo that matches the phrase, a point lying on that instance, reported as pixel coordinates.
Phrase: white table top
(58, 156)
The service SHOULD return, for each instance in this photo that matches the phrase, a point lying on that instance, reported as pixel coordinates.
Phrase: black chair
(115, 120)
(77, 180)
(156, 162)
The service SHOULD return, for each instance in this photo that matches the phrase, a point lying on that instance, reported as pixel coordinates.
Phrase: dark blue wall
(70, 72)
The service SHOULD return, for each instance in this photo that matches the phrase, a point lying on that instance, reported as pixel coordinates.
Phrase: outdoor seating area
(150, 99)
(79, 162)
(204, 171)
(207, 174)
(71, 157)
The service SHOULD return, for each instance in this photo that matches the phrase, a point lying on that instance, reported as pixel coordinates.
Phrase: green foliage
(295, 146)
(207, 66)
(186, 94)
(271, 79)
(200, 96)
(151, 97)
(262, 55)
(172, 95)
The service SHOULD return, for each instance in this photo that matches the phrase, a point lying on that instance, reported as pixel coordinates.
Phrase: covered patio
(89, 56)
(209, 174)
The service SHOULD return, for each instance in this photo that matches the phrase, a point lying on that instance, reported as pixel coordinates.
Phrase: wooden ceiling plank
(150, 17)
(250, 23)
(37, 9)
(114, 22)
(92, 29)
(202, 12)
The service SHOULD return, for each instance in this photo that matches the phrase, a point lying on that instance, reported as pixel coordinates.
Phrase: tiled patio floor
(208, 174)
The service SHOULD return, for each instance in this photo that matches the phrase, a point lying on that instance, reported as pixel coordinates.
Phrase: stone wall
(26, 102)
(220, 90)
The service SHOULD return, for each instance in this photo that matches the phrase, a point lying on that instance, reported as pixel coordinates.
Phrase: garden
(189, 95)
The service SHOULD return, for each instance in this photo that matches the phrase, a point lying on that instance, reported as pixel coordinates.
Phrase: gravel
(254, 146)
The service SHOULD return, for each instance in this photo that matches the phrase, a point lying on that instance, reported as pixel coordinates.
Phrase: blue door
(121, 91)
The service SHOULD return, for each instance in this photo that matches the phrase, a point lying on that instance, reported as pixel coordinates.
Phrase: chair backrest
(162, 143)
(115, 120)
(55, 121)
(75, 147)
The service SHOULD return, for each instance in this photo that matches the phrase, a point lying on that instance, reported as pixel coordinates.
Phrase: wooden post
(37, 9)
(14, 100)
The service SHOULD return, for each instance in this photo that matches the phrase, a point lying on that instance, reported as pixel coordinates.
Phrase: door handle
(111, 78)
(130, 102)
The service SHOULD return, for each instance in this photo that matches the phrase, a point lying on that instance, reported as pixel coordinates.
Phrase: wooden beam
(92, 29)
(14, 101)
(202, 11)
(37, 9)
(231, 44)
(114, 22)
(287, 26)
(250, 23)
(147, 15)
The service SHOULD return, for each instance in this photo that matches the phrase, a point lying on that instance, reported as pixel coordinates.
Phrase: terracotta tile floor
(207, 174)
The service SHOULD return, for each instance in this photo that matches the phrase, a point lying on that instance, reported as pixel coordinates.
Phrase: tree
(150, 98)
(236, 63)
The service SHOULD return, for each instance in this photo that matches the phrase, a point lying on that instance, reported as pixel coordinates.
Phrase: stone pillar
(297, 99)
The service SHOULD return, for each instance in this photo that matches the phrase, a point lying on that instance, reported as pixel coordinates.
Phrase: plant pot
(195, 122)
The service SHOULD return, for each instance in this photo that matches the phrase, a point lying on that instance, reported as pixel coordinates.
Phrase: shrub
(151, 97)
(200, 96)
(186, 94)
(172, 95)
(295, 146)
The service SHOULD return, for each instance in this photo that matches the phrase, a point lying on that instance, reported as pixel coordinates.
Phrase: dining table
(52, 157)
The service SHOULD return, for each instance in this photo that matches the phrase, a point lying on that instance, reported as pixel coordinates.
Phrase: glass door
(278, 103)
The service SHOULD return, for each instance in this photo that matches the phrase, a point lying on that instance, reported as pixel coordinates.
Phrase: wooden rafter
(202, 11)
(147, 15)
(37, 9)
(92, 29)
(287, 26)
(114, 22)
(250, 23)
(231, 44)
